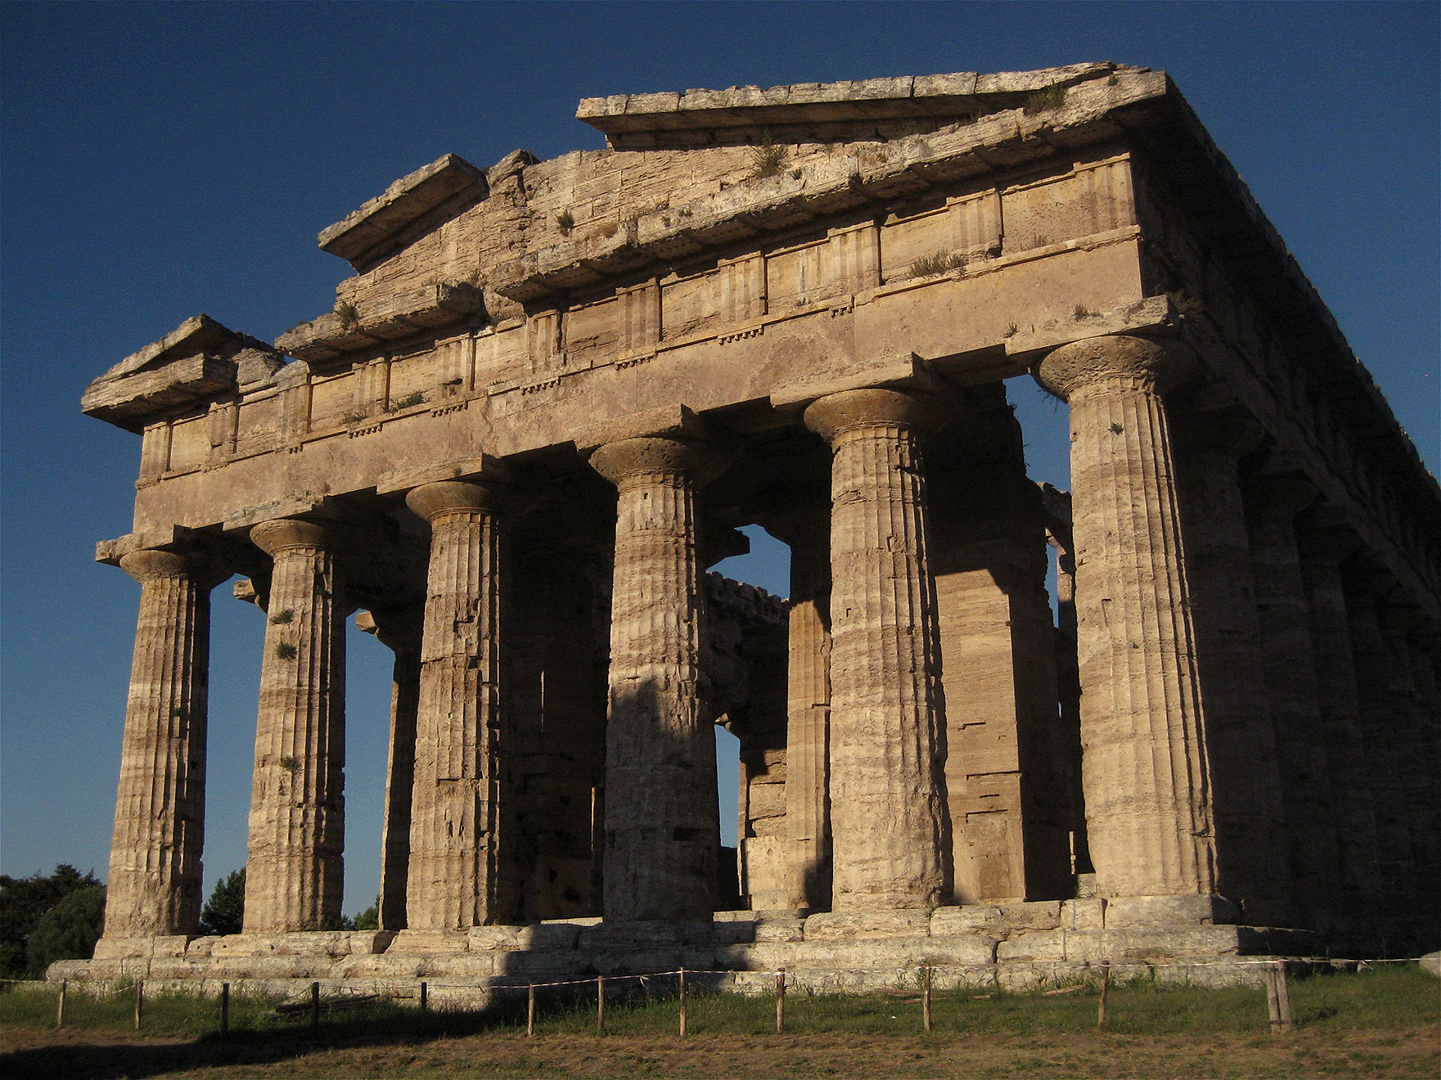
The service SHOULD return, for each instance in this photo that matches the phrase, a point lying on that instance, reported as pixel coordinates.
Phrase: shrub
(68, 931)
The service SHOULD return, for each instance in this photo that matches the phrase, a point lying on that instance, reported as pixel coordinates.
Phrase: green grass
(1393, 997)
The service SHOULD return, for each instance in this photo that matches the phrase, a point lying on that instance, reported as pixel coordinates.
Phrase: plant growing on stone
(409, 401)
(349, 317)
(566, 220)
(284, 650)
(283, 618)
(768, 159)
(934, 265)
(1038, 101)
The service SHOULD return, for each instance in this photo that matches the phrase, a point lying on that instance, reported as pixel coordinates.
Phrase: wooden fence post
(530, 1013)
(60, 1004)
(781, 1001)
(1278, 997)
(926, 997)
(224, 1009)
(139, 1001)
(600, 1003)
(315, 1004)
(1105, 989)
(682, 1002)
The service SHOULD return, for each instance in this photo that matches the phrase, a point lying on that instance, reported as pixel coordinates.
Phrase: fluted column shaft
(1314, 825)
(294, 872)
(400, 631)
(1338, 697)
(889, 818)
(155, 874)
(661, 813)
(455, 833)
(808, 700)
(1144, 768)
(1247, 804)
(1383, 733)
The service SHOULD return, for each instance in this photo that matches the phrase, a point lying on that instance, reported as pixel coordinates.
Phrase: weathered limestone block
(453, 877)
(661, 813)
(293, 878)
(1145, 772)
(888, 804)
(858, 925)
(155, 872)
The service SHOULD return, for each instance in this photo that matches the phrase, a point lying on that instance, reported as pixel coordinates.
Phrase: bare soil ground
(74, 1054)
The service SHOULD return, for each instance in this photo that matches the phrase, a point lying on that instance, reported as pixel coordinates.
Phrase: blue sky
(157, 161)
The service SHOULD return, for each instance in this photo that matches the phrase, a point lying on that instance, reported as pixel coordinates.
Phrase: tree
(68, 931)
(369, 919)
(24, 902)
(224, 912)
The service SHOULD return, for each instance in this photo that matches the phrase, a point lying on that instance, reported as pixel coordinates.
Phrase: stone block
(1033, 915)
(733, 932)
(1163, 911)
(488, 938)
(968, 919)
(853, 925)
(781, 928)
(428, 941)
(1081, 915)
(630, 936)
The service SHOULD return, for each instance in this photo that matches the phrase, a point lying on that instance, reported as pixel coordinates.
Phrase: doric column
(1252, 867)
(889, 820)
(1384, 731)
(455, 831)
(808, 706)
(661, 819)
(1338, 696)
(294, 873)
(1144, 768)
(1313, 825)
(399, 631)
(155, 887)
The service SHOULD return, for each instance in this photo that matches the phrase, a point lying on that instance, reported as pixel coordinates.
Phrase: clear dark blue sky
(162, 160)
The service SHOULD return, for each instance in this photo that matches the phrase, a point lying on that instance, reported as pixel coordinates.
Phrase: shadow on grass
(274, 1040)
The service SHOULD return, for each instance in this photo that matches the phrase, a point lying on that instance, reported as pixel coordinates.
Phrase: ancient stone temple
(551, 394)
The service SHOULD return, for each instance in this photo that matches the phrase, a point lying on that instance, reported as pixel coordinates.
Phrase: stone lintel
(671, 421)
(899, 370)
(1152, 315)
(306, 504)
(482, 467)
(411, 197)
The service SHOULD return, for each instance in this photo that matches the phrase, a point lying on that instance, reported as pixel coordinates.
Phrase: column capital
(432, 501)
(154, 564)
(834, 415)
(283, 534)
(1156, 364)
(653, 455)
